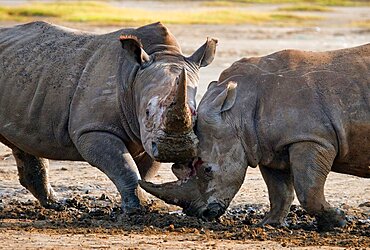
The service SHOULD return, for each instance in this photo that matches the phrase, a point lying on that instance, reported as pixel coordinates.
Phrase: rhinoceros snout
(174, 147)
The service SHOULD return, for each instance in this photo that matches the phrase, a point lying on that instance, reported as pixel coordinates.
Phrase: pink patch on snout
(193, 111)
(195, 165)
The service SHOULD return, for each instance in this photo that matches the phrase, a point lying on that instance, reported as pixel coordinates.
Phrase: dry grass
(319, 2)
(362, 24)
(101, 13)
(305, 7)
(221, 4)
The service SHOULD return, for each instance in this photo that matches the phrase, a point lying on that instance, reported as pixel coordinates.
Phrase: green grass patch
(100, 13)
(306, 7)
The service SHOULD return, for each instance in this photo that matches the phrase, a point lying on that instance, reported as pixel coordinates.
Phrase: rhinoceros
(120, 101)
(297, 115)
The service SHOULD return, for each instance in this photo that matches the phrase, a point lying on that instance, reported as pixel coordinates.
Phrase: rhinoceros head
(207, 186)
(165, 85)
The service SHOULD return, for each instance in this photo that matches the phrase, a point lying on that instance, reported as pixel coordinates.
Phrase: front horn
(178, 117)
(180, 193)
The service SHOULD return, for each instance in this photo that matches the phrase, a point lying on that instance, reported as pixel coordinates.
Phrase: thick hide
(297, 115)
(71, 95)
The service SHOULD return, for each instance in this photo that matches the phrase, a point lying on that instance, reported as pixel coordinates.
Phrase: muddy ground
(92, 219)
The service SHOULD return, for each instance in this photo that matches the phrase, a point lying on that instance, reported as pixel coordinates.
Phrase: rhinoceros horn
(178, 116)
(180, 193)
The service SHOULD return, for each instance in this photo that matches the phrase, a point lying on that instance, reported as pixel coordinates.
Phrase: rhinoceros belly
(36, 122)
(357, 159)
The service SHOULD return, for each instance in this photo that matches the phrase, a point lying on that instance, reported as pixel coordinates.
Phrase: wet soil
(87, 214)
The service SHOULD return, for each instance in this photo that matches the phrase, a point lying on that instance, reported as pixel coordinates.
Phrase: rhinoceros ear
(205, 54)
(226, 99)
(134, 49)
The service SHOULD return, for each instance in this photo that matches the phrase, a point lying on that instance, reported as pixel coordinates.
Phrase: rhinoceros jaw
(185, 171)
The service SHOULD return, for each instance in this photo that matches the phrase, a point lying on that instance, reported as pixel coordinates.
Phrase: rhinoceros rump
(104, 99)
(298, 115)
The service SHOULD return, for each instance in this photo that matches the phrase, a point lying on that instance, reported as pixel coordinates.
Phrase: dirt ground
(92, 219)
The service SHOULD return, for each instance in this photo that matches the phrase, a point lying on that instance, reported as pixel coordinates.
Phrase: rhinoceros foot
(127, 210)
(329, 219)
(280, 222)
(135, 203)
(55, 205)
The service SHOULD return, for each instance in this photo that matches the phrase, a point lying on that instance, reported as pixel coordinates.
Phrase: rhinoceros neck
(126, 99)
(243, 118)
(244, 128)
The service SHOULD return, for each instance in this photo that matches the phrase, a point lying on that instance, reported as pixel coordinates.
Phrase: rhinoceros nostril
(155, 149)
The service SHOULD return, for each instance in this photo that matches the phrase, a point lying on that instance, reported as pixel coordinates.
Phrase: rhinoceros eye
(208, 172)
(147, 113)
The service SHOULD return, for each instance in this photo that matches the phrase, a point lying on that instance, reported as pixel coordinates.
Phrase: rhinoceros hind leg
(281, 194)
(310, 165)
(33, 175)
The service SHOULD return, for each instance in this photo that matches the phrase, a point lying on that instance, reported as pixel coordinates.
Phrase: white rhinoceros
(119, 101)
(298, 115)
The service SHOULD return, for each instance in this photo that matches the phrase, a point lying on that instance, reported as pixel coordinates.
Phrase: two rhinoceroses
(124, 104)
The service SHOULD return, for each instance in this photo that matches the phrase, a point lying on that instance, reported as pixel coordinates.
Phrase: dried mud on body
(91, 217)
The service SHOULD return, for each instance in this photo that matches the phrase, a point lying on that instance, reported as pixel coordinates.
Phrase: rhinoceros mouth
(184, 171)
(185, 192)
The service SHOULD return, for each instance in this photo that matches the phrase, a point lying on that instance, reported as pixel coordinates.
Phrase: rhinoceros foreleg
(310, 165)
(33, 175)
(281, 194)
(108, 153)
(147, 166)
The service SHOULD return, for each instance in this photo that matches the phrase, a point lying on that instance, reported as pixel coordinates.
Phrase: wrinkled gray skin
(104, 99)
(298, 115)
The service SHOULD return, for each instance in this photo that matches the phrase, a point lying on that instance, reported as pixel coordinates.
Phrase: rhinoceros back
(322, 97)
(40, 68)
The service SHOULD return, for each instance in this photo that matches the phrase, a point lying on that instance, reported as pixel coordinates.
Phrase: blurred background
(258, 12)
